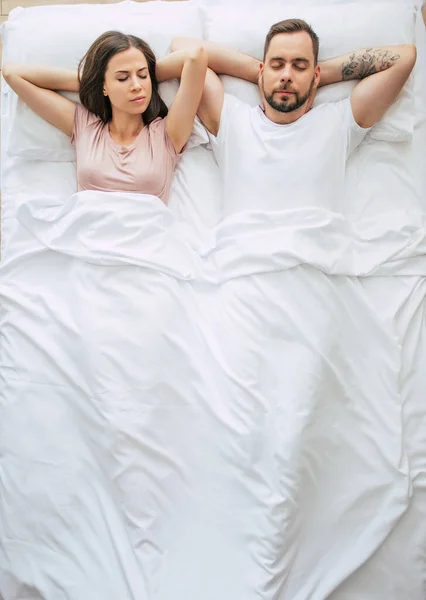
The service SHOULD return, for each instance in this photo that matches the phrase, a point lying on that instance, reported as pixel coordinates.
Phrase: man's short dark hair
(292, 26)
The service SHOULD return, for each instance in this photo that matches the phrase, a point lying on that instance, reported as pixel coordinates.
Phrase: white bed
(213, 410)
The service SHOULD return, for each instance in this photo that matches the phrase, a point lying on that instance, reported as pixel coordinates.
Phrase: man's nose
(286, 74)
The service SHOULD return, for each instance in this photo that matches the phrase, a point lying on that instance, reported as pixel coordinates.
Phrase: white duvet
(201, 410)
(210, 419)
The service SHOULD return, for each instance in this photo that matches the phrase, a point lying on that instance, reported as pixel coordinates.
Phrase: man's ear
(260, 85)
(260, 76)
(317, 76)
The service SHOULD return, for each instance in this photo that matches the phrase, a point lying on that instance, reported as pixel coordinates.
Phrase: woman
(125, 138)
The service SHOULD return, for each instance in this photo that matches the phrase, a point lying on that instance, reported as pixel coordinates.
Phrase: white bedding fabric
(214, 411)
(238, 434)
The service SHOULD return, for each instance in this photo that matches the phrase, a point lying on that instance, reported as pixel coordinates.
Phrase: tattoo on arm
(367, 63)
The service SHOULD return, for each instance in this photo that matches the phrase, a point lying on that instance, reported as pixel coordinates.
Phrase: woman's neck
(125, 128)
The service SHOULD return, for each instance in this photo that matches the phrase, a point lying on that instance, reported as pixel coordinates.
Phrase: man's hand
(383, 73)
(223, 60)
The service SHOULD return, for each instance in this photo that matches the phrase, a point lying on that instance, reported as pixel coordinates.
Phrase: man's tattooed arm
(381, 75)
(362, 64)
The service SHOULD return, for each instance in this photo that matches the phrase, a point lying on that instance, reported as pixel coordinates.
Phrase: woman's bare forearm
(44, 77)
(223, 60)
(171, 66)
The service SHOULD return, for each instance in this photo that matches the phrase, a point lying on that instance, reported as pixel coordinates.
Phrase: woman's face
(127, 82)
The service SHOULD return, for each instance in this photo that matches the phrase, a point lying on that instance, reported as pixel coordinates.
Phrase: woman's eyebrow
(122, 71)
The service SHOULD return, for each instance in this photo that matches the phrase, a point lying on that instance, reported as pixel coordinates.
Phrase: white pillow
(341, 28)
(67, 32)
(250, 4)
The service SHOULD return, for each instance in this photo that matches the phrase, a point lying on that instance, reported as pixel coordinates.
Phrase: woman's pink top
(146, 166)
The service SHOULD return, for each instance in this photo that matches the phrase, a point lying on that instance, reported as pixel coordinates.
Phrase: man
(290, 155)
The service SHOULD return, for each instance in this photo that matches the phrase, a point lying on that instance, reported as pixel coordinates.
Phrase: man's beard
(285, 105)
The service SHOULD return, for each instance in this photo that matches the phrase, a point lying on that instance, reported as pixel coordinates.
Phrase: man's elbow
(176, 44)
(410, 55)
(184, 43)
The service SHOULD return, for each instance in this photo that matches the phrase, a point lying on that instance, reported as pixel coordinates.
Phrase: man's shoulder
(334, 105)
(333, 110)
(232, 103)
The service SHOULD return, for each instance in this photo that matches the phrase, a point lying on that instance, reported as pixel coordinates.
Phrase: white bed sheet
(401, 300)
(193, 524)
(241, 430)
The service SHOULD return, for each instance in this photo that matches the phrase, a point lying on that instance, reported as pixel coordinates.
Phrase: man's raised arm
(382, 73)
(223, 60)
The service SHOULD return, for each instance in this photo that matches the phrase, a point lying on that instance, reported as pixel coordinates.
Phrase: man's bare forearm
(368, 61)
(223, 60)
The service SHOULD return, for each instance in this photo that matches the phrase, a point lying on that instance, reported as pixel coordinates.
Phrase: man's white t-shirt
(265, 166)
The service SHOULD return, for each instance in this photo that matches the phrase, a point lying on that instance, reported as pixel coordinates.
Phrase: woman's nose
(135, 83)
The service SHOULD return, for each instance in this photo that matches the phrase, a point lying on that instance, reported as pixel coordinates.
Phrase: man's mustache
(285, 88)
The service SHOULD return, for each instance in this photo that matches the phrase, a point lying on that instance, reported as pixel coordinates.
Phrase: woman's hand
(223, 60)
(43, 77)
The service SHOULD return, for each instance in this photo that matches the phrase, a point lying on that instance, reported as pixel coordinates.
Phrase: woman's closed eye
(125, 78)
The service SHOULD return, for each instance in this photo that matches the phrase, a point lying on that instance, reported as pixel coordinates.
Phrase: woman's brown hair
(91, 74)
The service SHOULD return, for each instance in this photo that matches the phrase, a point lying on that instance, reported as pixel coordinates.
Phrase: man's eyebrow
(281, 59)
(141, 69)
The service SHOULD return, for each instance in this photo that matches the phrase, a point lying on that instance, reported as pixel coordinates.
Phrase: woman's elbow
(198, 55)
(7, 70)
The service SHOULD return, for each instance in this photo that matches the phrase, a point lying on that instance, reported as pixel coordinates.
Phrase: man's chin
(288, 106)
(284, 106)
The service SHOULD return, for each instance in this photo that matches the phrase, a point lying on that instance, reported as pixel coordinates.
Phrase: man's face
(289, 77)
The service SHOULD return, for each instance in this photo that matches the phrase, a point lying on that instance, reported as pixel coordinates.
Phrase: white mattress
(249, 429)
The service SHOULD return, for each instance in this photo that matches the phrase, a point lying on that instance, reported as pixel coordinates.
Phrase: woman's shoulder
(159, 136)
(83, 117)
(158, 125)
